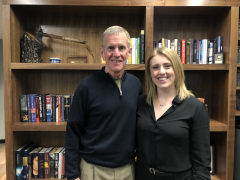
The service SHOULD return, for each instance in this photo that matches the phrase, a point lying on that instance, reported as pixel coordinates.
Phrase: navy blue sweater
(102, 122)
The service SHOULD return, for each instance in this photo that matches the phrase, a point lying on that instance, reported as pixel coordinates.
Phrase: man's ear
(101, 52)
(129, 52)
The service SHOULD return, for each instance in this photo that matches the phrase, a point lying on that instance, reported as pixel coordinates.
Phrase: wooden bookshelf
(86, 20)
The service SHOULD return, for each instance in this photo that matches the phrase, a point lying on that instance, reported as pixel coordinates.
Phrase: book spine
(33, 109)
(56, 165)
(183, 51)
(210, 57)
(188, 52)
(59, 108)
(63, 165)
(130, 57)
(30, 171)
(62, 108)
(40, 108)
(138, 50)
(44, 108)
(60, 166)
(197, 55)
(179, 49)
(200, 51)
(46, 164)
(23, 108)
(53, 118)
(25, 165)
(191, 51)
(28, 107)
(35, 165)
(66, 107)
(194, 51)
(56, 108)
(133, 50)
(51, 167)
(142, 55)
(37, 108)
(48, 107)
(19, 165)
(41, 168)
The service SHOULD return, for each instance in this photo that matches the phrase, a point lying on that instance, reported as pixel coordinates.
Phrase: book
(51, 162)
(41, 167)
(37, 108)
(56, 161)
(53, 117)
(35, 162)
(28, 107)
(142, 47)
(191, 50)
(59, 108)
(33, 109)
(188, 51)
(176, 45)
(130, 57)
(183, 51)
(62, 108)
(19, 160)
(49, 108)
(133, 50)
(40, 108)
(60, 164)
(47, 162)
(210, 52)
(23, 108)
(66, 107)
(63, 165)
(179, 49)
(44, 113)
(56, 108)
(25, 160)
(138, 51)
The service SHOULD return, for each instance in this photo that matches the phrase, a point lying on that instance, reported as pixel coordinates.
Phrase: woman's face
(162, 72)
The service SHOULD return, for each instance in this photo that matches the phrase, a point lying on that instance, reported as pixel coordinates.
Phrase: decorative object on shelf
(31, 49)
(77, 59)
(54, 60)
(212, 149)
(218, 58)
(41, 34)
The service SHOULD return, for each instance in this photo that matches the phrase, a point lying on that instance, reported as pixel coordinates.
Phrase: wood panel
(232, 90)
(7, 89)
(128, 3)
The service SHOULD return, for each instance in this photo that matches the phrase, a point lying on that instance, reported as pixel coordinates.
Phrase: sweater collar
(123, 76)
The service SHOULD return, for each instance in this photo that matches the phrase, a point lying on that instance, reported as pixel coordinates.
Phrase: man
(102, 122)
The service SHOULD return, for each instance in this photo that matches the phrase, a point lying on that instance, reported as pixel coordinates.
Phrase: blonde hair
(116, 30)
(179, 82)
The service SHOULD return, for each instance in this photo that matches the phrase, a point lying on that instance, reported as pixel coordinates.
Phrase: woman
(172, 125)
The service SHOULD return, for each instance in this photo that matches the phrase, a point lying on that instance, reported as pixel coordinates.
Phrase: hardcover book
(25, 160)
(63, 165)
(51, 162)
(35, 162)
(37, 108)
(53, 118)
(183, 51)
(56, 161)
(23, 108)
(41, 167)
(142, 47)
(47, 162)
(19, 160)
(33, 109)
(66, 107)
(40, 108)
(49, 108)
(44, 113)
(60, 164)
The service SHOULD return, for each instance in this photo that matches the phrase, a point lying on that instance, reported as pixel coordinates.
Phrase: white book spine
(204, 50)
(133, 50)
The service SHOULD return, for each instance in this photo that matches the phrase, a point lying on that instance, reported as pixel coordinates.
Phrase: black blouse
(178, 141)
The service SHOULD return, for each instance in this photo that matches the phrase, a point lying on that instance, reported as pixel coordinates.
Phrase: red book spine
(183, 49)
(63, 165)
(46, 165)
(59, 108)
(37, 108)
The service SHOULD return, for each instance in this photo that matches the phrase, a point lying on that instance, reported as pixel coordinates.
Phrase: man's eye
(111, 48)
(122, 48)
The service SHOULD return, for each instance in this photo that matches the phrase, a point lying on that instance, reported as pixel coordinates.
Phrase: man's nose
(116, 52)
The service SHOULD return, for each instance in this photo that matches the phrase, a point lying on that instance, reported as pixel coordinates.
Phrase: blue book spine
(32, 106)
(25, 161)
(49, 107)
(29, 109)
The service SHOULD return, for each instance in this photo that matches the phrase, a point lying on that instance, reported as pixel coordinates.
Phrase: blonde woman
(172, 125)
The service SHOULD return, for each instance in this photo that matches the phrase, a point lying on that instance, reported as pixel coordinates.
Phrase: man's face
(115, 52)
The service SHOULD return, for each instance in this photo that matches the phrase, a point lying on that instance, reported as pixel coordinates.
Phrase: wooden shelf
(237, 113)
(61, 126)
(237, 88)
(91, 66)
(214, 177)
(216, 126)
(39, 126)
